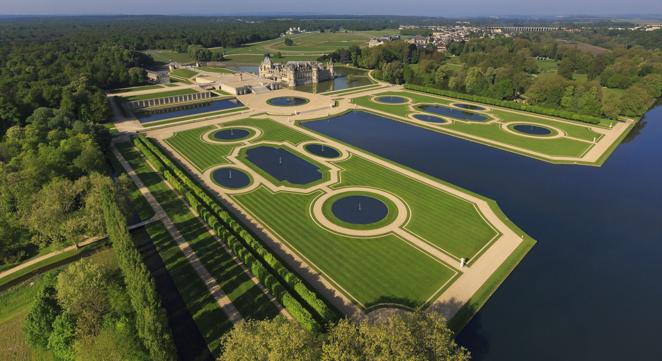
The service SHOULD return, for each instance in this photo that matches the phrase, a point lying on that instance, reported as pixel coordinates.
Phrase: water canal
(592, 280)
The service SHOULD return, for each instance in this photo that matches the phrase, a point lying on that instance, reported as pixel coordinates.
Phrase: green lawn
(449, 223)
(563, 146)
(193, 117)
(205, 155)
(184, 73)
(135, 88)
(216, 69)
(547, 66)
(371, 270)
(165, 94)
(245, 295)
(314, 44)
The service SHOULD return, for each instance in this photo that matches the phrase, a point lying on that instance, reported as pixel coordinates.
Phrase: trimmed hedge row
(263, 264)
(507, 104)
(151, 321)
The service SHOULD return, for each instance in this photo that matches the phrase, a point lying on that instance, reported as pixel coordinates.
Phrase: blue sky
(388, 7)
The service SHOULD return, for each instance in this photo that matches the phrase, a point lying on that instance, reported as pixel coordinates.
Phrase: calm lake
(590, 287)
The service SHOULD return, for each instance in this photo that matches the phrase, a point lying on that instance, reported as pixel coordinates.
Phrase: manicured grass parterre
(204, 155)
(576, 140)
(165, 94)
(370, 270)
(450, 223)
(136, 88)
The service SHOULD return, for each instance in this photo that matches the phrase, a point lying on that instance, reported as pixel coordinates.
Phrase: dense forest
(53, 73)
(588, 80)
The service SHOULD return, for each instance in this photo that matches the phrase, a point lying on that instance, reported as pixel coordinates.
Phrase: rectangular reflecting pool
(176, 111)
(284, 165)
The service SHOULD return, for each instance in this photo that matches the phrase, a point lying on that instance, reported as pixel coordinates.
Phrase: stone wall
(172, 100)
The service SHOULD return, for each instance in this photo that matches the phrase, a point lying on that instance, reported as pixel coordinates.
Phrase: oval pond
(531, 129)
(454, 113)
(232, 178)
(322, 150)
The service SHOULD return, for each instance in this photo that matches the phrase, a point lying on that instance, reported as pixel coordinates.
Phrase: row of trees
(200, 53)
(302, 303)
(403, 336)
(151, 322)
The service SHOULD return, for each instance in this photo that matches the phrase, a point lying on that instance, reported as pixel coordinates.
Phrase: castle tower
(291, 77)
(266, 67)
(332, 74)
(315, 76)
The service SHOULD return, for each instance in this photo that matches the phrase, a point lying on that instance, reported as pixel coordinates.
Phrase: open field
(547, 66)
(318, 43)
(572, 139)
(165, 94)
(371, 270)
(250, 301)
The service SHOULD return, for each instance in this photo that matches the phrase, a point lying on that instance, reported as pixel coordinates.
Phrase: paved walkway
(211, 283)
(215, 290)
(82, 244)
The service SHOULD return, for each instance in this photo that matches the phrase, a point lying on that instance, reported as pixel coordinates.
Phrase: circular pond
(468, 106)
(357, 209)
(391, 99)
(287, 101)
(532, 129)
(232, 178)
(322, 150)
(230, 134)
(430, 118)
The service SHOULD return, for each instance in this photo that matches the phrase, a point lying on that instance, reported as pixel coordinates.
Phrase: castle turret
(331, 71)
(315, 76)
(266, 67)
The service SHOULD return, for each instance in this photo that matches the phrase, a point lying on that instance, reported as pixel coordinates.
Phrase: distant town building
(295, 73)
(419, 40)
(381, 40)
(294, 31)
